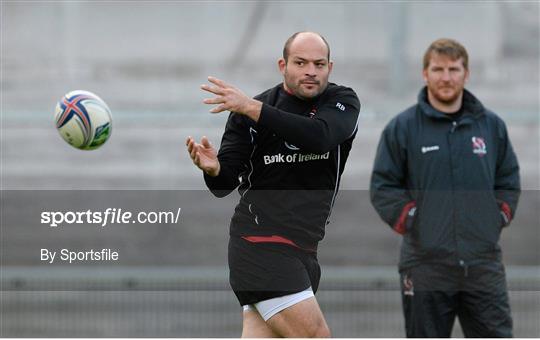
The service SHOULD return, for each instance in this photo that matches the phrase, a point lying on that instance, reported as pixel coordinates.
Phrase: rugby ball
(83, 120)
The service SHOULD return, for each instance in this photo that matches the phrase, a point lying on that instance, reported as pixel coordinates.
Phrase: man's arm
(335, 121)
(389, 194)
(507, 183)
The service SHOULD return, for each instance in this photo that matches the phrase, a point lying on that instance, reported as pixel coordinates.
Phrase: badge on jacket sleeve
(479, 146)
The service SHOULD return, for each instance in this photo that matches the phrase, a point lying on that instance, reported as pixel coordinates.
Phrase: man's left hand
(230, 98)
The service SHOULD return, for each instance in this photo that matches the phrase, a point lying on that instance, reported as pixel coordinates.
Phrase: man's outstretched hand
(203, 155)
(229, 98)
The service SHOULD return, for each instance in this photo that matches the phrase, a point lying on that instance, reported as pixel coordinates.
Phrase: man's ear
(424, 75)
(330, 66)
(282, 64)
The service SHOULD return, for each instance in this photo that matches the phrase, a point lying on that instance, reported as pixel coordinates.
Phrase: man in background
(446, 178)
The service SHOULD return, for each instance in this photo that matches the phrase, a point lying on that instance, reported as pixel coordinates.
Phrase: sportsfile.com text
(109, 216)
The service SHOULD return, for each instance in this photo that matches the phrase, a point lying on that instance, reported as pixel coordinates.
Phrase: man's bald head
(292, 38)
(305, 65)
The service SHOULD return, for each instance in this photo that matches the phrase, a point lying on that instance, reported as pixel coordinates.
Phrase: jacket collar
(472, 107)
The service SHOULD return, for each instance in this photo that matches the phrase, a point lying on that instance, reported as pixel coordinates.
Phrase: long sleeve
(507, 183)
(233, 156)
(333, 123)
(389, 194)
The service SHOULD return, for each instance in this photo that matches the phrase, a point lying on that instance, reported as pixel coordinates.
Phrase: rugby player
(285, 150)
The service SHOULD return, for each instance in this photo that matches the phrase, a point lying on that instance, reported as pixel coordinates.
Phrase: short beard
(445, 100)
(296, 88)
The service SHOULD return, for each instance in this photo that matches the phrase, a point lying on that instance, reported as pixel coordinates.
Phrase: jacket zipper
(452, 130)
(465, 268)
(462, 263)
(454, 125)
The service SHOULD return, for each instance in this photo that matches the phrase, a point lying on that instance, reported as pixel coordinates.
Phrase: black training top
(288, 165)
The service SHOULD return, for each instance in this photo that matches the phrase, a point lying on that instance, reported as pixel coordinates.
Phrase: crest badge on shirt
(479, 146)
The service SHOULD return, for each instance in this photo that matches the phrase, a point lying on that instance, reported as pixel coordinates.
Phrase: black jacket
(448, 186)
(288, 165)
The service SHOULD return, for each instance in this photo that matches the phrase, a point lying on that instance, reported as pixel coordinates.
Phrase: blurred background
(147, 59)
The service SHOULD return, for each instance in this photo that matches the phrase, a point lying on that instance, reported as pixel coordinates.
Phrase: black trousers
(434, 295)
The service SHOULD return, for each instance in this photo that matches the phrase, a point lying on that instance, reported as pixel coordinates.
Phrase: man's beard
(447, 99)
(297, 90)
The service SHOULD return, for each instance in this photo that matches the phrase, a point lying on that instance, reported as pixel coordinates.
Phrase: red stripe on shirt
(273, 239)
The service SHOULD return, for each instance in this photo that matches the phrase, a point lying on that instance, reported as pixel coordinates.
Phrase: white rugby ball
(83, 120)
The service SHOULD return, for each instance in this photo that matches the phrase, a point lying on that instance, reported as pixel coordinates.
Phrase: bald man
(285, 150)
